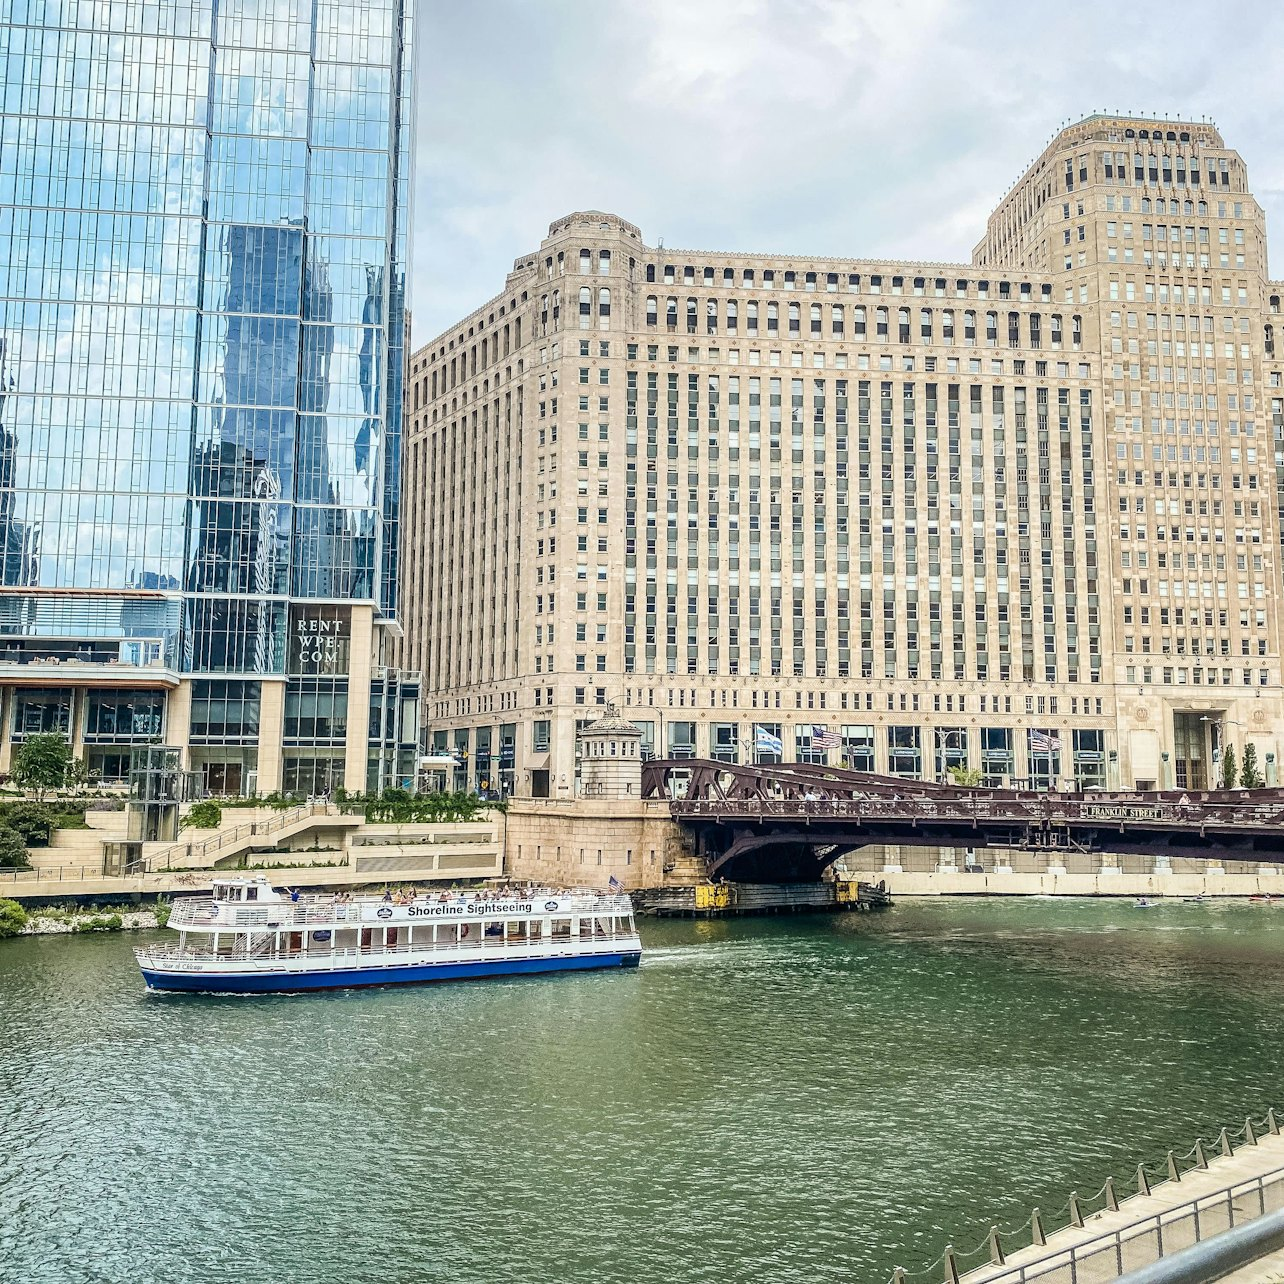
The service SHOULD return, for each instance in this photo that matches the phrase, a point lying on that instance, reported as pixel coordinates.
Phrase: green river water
(789, 1099)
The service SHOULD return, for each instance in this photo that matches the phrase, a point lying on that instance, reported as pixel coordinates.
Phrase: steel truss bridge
(787, 822)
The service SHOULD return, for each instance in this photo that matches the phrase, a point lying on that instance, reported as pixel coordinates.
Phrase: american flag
(613, 884)
(1041, 743)
(823, 738)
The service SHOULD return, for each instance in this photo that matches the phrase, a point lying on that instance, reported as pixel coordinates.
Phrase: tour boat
(248, 937)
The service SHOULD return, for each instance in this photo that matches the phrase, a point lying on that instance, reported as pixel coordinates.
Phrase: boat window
(251, 893)
(561, 927)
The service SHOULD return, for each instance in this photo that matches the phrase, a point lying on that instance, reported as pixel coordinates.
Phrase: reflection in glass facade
(202, 257)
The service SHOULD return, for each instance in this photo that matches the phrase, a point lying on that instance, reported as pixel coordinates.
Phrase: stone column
(178, 721)
(271, 733)
(79, 716)
(6, 728)
(360, 664)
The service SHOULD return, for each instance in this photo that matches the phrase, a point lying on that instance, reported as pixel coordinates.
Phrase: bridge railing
(1049, 809)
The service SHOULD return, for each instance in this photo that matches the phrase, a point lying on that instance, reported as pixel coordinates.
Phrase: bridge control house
(1019, 515)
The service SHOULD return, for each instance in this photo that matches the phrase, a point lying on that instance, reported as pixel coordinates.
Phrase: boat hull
(406, 974)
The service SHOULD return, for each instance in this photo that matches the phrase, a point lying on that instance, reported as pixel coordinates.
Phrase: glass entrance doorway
(1190, 738)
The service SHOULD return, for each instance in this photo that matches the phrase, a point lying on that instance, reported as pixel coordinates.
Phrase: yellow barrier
(709, 896)
(847, 891)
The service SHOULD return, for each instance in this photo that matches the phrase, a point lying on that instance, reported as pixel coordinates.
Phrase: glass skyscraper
(202, 263)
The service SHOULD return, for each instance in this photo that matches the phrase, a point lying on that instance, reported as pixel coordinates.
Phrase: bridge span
(787, 822)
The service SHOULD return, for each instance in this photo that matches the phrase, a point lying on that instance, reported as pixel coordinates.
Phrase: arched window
(586, 262)
(925, 324)
(991, 329)
(711, 316)
(1055, 335)
(858, 322)
(671, 313)
(586, 307)
(836, 326)
(947, 326)
(880, 323)
(1014, 329)
(652, 307)
(603, 309)
(650, 271)
(751, 316)
(903, 324)
(795, 319)
(693, 316)
(1036, 328)
(773, 318)
(815, 320)
(1076, 331)
(604, 262)
(732, 316)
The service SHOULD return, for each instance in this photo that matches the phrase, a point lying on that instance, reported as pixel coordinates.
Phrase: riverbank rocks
(64, 923)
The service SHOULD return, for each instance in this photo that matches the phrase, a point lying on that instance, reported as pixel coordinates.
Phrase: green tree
(968, 777)
(1230, 769)
(1248, 773)
(34, 821)
(44, 762)
(203, 815)
(13, 918)
(13, 851)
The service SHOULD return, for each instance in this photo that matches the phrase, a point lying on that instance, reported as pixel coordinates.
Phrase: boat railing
(172, 956)
(320, 910)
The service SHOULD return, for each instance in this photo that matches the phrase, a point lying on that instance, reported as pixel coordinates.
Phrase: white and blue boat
(248, 937)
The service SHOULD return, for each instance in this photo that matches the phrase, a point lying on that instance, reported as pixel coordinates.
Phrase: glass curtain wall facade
(202, 260)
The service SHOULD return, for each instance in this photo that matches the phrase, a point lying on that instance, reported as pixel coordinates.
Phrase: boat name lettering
(455, 911)
(1097, 811)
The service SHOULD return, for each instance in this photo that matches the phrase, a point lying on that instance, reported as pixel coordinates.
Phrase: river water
(790, 1099)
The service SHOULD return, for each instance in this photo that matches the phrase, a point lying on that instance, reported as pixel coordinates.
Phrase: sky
(853, 128)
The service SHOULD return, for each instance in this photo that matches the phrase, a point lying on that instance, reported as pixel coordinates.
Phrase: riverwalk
(1203, 1197)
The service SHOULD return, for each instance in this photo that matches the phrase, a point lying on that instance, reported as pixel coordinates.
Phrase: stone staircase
(80, 848)
(238, 835)
(682, 867)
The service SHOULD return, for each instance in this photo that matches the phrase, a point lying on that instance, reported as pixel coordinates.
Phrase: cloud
(860, 128)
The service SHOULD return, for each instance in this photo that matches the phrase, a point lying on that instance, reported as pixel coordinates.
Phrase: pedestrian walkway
(1108, 1236)
(1231, 1190)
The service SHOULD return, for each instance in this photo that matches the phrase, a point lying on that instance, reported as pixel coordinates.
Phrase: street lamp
(649, 708)
(1216, 724)
(943, 746)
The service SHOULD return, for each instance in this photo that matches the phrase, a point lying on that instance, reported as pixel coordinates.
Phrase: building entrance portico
(1191, 750)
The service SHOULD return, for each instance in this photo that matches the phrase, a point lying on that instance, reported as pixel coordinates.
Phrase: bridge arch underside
(775, 851)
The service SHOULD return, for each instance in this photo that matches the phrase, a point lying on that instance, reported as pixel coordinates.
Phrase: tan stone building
(1019, 515)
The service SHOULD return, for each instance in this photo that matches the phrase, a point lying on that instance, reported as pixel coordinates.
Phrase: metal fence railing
(1107, 1256)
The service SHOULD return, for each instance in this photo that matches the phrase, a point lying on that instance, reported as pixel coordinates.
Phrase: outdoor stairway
(234, 840)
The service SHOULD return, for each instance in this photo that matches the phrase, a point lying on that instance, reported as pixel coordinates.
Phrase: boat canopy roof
(241, 890)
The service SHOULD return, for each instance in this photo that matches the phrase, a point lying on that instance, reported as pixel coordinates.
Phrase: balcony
(59, 662)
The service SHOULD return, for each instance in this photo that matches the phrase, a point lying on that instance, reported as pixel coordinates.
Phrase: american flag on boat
(1042, 743)
(613, 884)
(823, 738)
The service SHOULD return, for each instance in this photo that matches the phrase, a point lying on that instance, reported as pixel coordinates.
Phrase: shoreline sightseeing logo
(474, 909)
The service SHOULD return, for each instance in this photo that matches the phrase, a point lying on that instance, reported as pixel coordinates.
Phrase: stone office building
(1019, 515)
